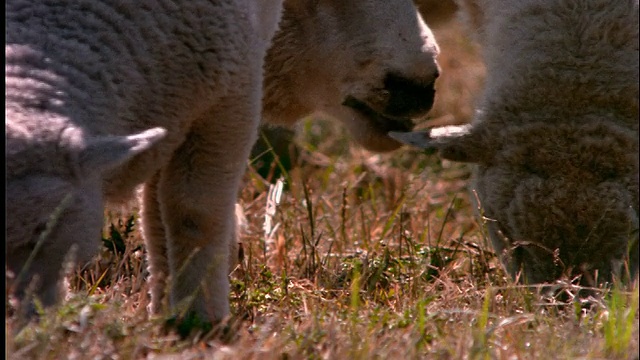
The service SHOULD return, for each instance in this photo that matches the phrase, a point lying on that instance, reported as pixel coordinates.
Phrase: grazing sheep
(555, 137)
(102, 97)
(449, 108)
(370, 64)
(372, 84)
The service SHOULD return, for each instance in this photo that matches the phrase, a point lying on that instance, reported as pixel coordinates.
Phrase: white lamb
(104, 96)
(555, 138)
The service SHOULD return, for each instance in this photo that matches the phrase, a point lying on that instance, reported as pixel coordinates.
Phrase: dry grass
(370, 257)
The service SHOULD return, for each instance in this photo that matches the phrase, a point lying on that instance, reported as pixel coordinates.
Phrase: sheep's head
(370, 64)
(559, 200)
(54, 197)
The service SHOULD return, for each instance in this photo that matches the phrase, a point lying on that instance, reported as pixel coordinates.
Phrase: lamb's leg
(197, 193)
(156, 243)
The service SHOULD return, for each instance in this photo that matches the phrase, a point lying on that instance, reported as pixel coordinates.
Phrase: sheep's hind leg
(197, 194)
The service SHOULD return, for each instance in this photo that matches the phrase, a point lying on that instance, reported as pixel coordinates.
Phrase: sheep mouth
(380, 122)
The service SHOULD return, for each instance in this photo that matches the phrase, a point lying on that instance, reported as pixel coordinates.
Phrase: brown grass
(372, 257)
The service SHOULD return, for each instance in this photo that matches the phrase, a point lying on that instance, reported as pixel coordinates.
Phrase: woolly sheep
(555, 137)
(277, 141)
(102, 97)
(370, 64)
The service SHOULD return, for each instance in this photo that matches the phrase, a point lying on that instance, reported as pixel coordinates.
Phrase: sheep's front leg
(197, 193)
(156, 243)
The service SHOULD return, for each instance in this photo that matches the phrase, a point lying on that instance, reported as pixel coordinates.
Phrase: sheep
(371, 72)
(555, 138)
(102, 97)
(454, 57)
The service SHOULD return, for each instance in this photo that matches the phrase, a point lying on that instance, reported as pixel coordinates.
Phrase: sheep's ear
(106, 152)
(457, 143)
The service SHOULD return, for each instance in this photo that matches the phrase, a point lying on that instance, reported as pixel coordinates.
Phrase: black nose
(408, 97)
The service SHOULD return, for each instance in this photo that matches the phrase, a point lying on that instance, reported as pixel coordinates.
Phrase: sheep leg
(156, 244)
(197, 193)
(155, 241)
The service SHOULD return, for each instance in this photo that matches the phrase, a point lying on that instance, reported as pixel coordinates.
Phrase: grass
(368, 256)
(382, 257)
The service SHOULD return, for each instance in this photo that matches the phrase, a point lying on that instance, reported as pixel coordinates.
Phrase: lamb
(371, 72)
(555, 137)
(103, 97)
(280, 139)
